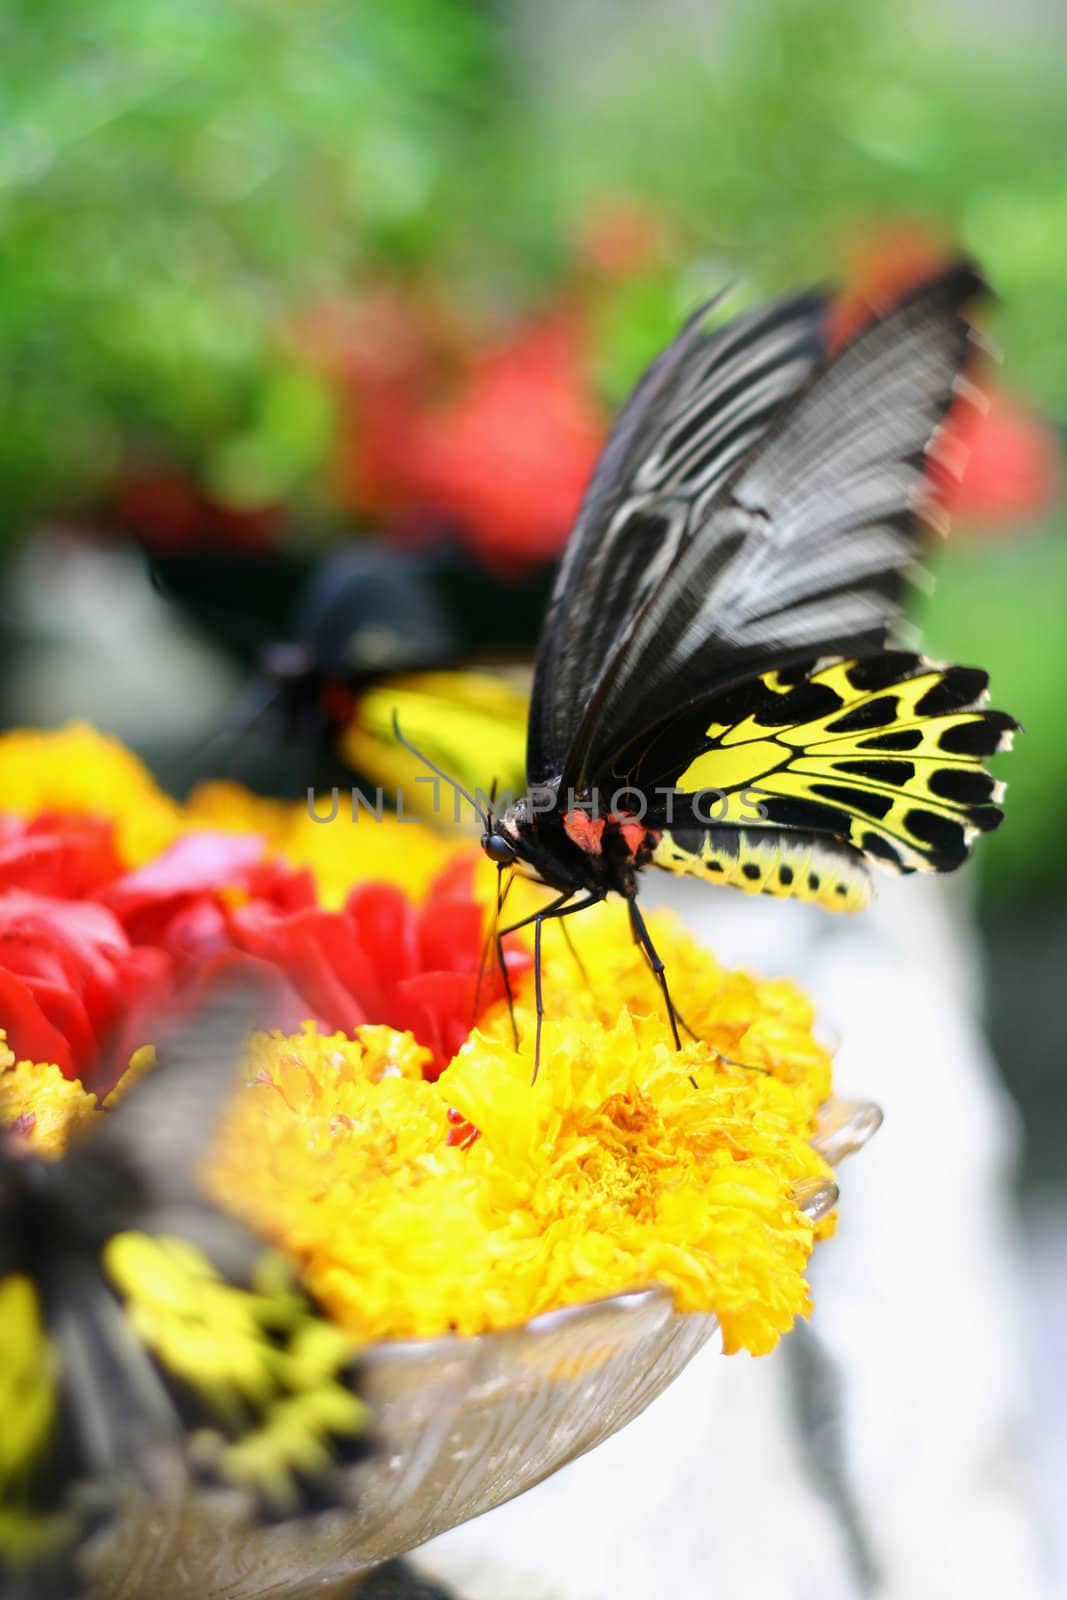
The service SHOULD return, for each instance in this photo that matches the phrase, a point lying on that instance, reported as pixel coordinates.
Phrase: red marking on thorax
(588, 832)
(633, 832)
(585, 831)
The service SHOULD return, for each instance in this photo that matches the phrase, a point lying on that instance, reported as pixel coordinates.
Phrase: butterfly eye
(498, 848)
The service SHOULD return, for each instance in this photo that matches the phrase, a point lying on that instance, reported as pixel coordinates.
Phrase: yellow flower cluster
(627, 1163)
(78, 769)
(611, 1172)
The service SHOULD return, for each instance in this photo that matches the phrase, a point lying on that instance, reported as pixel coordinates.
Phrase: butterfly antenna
(439, 771)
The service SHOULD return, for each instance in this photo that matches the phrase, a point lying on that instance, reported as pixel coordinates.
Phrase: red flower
(496, 440)
(88, 951)
(508, 456)
(383, 959)
(1013, 469)
(72, 988)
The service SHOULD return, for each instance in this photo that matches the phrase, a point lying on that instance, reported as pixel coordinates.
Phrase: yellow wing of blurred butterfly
(32, 1522)
(472, 724)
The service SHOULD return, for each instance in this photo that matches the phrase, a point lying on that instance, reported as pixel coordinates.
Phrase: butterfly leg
(562, 906)
(643, 939)
(678, 1015)
(494, 937)
(554, 913)
(509, 992)
(500, 934)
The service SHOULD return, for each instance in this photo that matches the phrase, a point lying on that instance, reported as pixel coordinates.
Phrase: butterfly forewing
(699, 411)
(805, 551)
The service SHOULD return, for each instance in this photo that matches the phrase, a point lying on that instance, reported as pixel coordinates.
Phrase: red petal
(66, 1012)
(320, 955)
(456, 880)
(29, 1033)
(450, 936)
(439, 1012)
(84, 934)
(87, 922)
(193, 934)
(196, 864)
(386, 925)
(50, 856)
(93, 861)
(284, 887)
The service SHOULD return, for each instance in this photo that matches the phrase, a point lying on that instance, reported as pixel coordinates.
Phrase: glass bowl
(462, 1424)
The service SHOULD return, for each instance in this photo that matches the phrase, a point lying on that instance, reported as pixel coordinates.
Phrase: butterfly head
(498, 847)
(531, 834)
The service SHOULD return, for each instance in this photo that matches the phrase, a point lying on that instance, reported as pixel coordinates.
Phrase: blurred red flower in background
(620, 235)
(167, 512)
(1013, 472)
(507, 456)
(493, 439)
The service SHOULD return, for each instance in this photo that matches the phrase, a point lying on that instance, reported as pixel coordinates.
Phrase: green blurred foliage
(1003, 607)
(774, 129)
(175, 181)
(179, 183)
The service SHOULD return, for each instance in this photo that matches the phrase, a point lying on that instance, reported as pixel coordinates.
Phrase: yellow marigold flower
(480, 1200)
(40, 1105)
(610, 1173)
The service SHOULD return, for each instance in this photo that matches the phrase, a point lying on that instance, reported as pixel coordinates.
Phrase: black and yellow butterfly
(714, 690)
(152, 1346)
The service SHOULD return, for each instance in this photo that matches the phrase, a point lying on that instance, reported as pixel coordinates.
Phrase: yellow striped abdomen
(798, 866)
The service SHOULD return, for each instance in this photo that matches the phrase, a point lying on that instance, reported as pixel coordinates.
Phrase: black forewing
(696, 413)
(808, 549)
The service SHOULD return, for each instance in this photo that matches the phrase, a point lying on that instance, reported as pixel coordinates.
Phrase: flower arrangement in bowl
(522, 1266)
